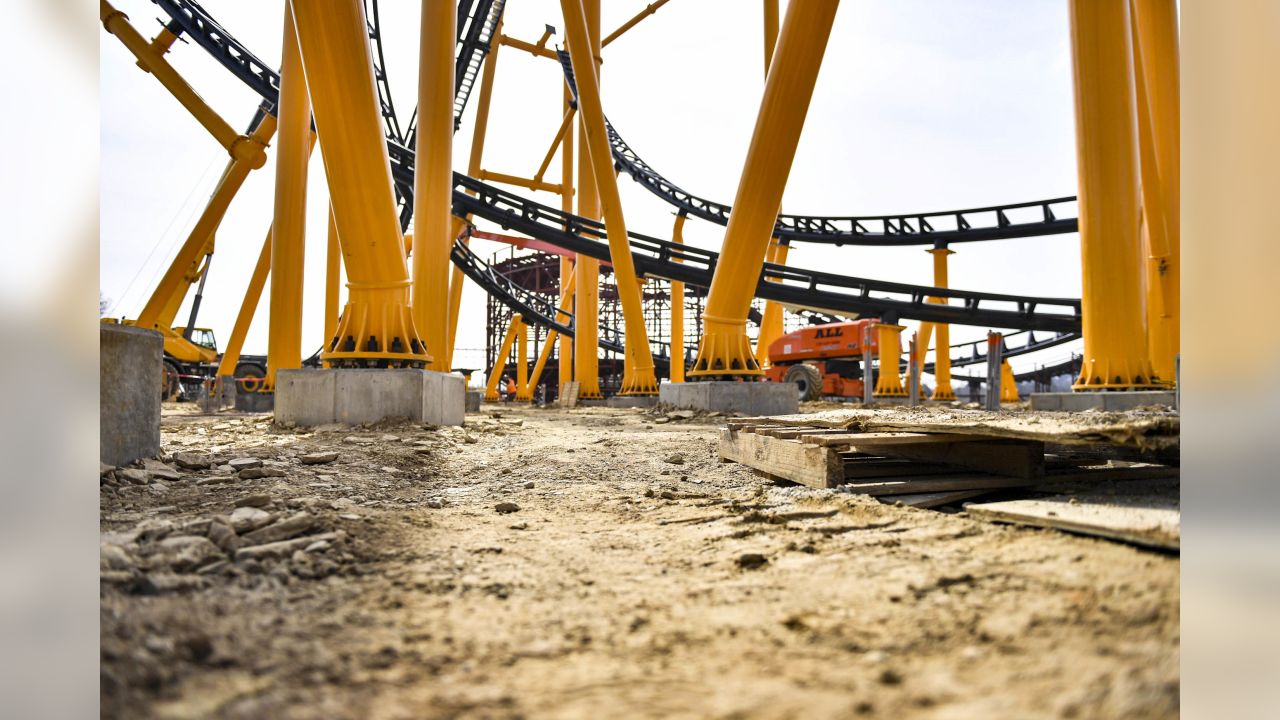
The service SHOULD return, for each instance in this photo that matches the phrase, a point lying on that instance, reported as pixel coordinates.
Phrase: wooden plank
(874, 467)
(569, 394)
(1015, 458)
(887, 438)
(932, 500)
(1145, 514)
(788, 459)
(936, 483)
(786, 432)
(1111, 473)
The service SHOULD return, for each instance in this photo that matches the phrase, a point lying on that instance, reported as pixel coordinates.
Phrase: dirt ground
(586, 564)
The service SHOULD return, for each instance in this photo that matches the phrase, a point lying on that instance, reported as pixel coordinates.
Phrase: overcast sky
(921, 105)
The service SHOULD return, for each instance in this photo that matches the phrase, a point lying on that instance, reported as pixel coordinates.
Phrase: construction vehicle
(191, 359)
(823, 360)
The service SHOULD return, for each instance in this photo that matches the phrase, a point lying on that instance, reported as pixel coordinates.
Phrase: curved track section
(825, 292)
(998, 222)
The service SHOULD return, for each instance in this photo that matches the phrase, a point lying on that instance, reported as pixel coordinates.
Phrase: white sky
(921, 105)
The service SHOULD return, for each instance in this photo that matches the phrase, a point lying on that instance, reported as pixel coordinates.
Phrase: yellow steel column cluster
(725, 349)
(586, 361)
(1114, 322)
(677, 309)
(1155, 37)
(433, 180)
(288, 235)
(377, 327)
(642, 380)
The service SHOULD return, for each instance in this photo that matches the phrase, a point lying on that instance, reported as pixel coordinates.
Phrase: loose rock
(675, 459)
(134, 475)
(255, 500)
(191, 461)
(752, 561)
(506, 507)
(318, 458)
(282, 530)
(247, 519)
(244, 463)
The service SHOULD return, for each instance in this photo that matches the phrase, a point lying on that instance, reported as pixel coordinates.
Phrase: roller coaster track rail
(827, 292)
(998, 222)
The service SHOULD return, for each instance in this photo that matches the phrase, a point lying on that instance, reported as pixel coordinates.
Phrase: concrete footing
(745, 398)
(1109, 401)
(472, 400)
(256, 402)
(351, 397)
(631, 401)
(130, 366)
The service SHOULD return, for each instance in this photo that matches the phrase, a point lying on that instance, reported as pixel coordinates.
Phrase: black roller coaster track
(998, 222)
(820, 291)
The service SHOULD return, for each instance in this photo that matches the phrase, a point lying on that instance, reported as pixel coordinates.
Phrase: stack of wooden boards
(932, 459)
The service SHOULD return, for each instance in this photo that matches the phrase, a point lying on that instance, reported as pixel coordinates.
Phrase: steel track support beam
(648, 10)
(725, 349)
(150, 57)
(189, 254)
(522, 364)
(1114, 323)
(377, 327)
(565, 124)
(500, 362)
(581, 45)
(586, 304)
(552, 335)
(433, 179)
(1155, 38)
(288, 238)
(772, 323)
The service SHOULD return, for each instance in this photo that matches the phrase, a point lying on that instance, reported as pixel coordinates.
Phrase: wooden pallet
(925, 468)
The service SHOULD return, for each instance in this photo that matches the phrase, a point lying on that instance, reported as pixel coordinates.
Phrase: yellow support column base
(943, 393)
(1100, 374)
(889, 384)
(1008, 384)
(725, 350)
(376, 330)
(643, 382)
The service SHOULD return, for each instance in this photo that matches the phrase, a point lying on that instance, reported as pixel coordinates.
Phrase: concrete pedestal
(130, 366)
(351, 397)
(473, 399)
(631, 401)
(745, 398)
(1109, 401)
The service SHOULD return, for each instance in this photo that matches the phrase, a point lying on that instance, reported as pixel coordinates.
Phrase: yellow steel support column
(1008, 384)
(248, 148)
(677, 309)
(552, 335)
(648, 10)
(500, 362)
(483, 102)
(433, 179)
(770, 32)
(771, 322)
(522, 364)
(568, 274)
(889, 347)
(586, 304)
(1115, 333)
(1155, 25)
(456, 227)
(377, 325)
(725, 349)
(640, 357)
(288, 236)
(942, 390)
(332, 281)
(189, 254)
(252, 294)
